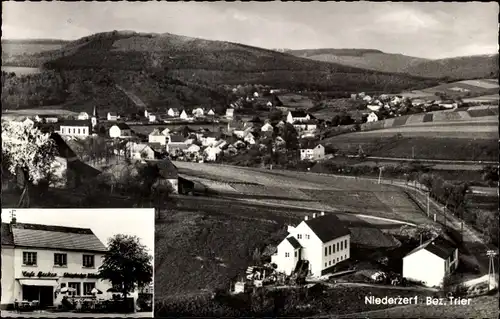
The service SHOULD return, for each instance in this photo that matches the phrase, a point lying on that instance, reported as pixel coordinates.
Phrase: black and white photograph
(77, 263)
(300, 159)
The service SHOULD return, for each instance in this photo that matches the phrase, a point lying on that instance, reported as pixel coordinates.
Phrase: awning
(38, 282)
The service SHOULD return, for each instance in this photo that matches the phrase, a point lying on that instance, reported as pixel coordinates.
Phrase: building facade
(120, 130)
(39, 260)
(312, 153)
(431, 262)
(75, 128)
(323, 241)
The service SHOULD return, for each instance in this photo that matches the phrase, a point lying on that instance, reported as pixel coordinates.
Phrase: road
(431, 161)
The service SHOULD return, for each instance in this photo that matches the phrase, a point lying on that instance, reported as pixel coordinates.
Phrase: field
(296, 101)
(307, 191)
(41, 111)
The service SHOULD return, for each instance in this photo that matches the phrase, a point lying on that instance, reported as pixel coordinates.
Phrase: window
(337, 259)
(338, 247)
(78, 131)
(287, 254)
(88, 261)
(60, 260)
(345, 257)
(299, 236)
(330, 263)
(29, 258)
(87, 287)
(326, 264)
(326, 251)
(76, 286)
(341, 245)
(62, 130)
(345, 244)
(308, 237)
(329, 250)
(341, 257)
(333, 248)
(63, 284)
(295, 254)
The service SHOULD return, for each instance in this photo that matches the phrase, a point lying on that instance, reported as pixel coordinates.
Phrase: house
(198, 112)
(67, 170)
(183, 115)
(269, 104)
(112, 116)
(431, 261)
(193, 149)
(305, 127)
(120, 130)
(374, 107)
(76, 128)
(367, 98)
(297, 116)
(152, 118)
(321, 242)
(231, 150)
(211, 112)
(448, 104)
(158, 137)
(416, 102)
(212, 152)
(173, 112)
(168, 172)
(176, 142)
(83, 116)
(229, 113)
(312, 152)
(140, 151)
(255, 94)
(372, 117)
(249, 138)
(39, 260)
(267, 127)
(208, 139)
(46, 119)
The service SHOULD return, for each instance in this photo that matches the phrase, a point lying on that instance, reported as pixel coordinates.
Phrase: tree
(29, 152)
(275, 115)
(490, 174)
(126, 264)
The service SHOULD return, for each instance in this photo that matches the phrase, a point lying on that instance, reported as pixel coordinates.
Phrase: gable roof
(81, 123)
(62, 147)
(294, 242)
(177, 138)
(166, 168)
(54, 237)
(308, 144)
(298, 113)
(123, 126)
(327, 227)
(437, 246)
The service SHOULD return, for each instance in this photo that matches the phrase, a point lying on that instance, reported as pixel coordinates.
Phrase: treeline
(84, 88)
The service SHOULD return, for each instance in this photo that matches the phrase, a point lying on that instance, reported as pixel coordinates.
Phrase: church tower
(94, 118)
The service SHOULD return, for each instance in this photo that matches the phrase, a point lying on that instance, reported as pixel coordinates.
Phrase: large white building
(120, 130)
(323, 241)
(39, 260)
(312, 152)
(75, 128)
(431, 262)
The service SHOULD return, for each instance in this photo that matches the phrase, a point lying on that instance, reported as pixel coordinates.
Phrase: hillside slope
(361, 58)
(212, 62)
(467, 67)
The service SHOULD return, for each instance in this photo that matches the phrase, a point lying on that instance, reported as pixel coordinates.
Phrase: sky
(103, 222)
(429, 30)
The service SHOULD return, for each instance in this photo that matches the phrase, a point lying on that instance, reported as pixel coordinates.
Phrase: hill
(11, 47)
(361, 58)
(467, 67)
(211, 62)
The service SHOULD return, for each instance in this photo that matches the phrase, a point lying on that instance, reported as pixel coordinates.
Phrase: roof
(123, 126)
(180, 146)
(437, 246)
(177, 138)
(112, 113)
(174, 109)
(308, 144)
(166, 168)
(294, 242)
(75, 123)
(62, 147)
(327, 227)
(138, 147)
(298, 113)
(48, 236)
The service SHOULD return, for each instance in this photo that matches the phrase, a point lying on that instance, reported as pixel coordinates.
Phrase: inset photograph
(77, 262)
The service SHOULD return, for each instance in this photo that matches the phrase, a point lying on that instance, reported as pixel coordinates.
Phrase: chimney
(314, 215)
(306, 218)
(322, 213)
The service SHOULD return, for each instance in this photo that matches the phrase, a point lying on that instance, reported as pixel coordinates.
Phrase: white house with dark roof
(176, 142)
(372, 117)
(83, 116)
(120, 130)
(431, 262)
(183, 115)
(139, 151)
(173, 112)
(312, 152)
(39, 260)
(322, 241)
(157, 136)
(75, 128)
(112, 116)
(298, 116)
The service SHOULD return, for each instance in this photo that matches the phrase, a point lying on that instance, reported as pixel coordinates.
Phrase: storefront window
(76, 286)
(87, 287)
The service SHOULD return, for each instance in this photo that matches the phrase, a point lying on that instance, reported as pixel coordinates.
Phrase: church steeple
(94, 112)
(95, 117)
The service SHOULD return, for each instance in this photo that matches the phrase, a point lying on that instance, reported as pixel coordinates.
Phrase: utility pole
(381, 168)
(428, 200)
(491, 268)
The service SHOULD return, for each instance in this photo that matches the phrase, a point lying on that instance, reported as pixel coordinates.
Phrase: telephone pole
(491, 268)
(428, 200)
(381, 168)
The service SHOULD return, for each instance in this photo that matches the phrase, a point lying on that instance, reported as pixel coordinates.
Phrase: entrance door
(44, 294)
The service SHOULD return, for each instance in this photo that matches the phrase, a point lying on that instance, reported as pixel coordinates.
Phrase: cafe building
(38, 261)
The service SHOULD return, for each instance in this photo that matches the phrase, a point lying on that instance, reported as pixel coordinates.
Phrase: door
(44, 294)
